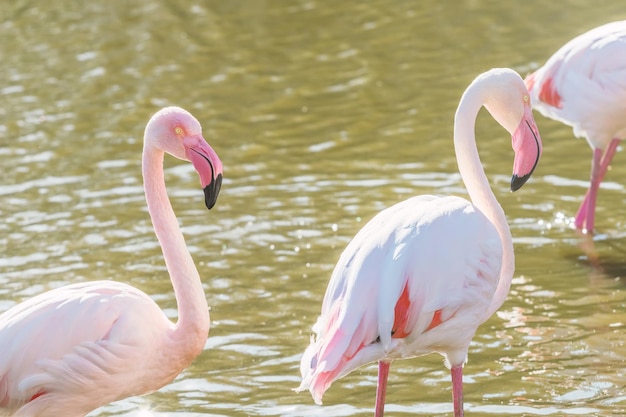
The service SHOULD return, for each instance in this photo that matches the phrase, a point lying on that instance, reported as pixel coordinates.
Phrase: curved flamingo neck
(478, 186)
(193, 311)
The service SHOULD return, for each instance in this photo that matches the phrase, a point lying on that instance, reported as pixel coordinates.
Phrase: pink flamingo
(422, 275)
(584, 86)
(73, 349)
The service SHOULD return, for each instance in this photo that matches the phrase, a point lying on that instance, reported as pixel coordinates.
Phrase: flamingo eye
(526, 98)
(178, 130)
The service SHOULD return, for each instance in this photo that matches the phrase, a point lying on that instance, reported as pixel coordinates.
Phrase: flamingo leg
(589, 202)
(381, 389)
(600, 164)
(457, 389)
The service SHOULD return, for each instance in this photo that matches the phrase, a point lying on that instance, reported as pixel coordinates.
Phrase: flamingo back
(584, 85)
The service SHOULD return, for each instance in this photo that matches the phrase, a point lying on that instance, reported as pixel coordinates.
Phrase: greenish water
(323, 113)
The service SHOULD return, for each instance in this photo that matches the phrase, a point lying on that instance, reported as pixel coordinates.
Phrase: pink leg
(589, 202)
(457, 389)
(381, 389)
(586, 213)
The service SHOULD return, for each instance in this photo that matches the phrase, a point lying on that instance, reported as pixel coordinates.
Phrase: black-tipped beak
(517, 182)
(211, 191)
(527, 154)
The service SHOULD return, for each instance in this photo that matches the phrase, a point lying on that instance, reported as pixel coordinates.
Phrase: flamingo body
(583, 85)
(60, 351)
(422, 275)
(75, 348)
(397, 294)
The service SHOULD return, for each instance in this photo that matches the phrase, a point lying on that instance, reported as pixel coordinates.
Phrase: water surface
(323, 113)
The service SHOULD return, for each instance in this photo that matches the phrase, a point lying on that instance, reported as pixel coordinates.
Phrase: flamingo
(422, 275)
(75, 348)
(584, 86)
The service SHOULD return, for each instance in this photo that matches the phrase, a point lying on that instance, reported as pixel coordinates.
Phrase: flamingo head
(510, 105)
(175, 131)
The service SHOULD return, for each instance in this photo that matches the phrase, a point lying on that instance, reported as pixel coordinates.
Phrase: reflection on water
(323, 113)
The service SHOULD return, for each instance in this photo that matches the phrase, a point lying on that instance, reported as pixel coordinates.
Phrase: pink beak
(207, 164)
(527, 146)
